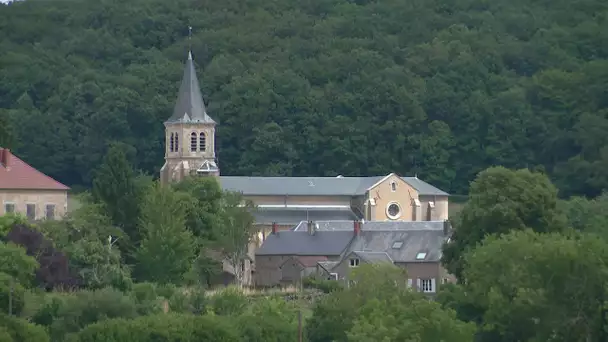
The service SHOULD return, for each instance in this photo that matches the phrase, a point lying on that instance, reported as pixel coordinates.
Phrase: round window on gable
(393, 210)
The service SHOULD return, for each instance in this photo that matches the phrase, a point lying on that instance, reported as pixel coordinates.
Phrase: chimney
(5, 157)
(311, 228)
(357, 227)
(274, 227)
(447, 228)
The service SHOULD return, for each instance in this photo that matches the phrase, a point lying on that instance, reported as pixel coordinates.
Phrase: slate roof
(293, 216)
(373, 257)
(20, 175)
(190, 106)
(328, 265)
(373, 225)
(315, 186)
(302, 243)
(307, 261)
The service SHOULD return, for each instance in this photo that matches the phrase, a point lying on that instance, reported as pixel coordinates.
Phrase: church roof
(17, 174)
(190, 106)
(316, 186)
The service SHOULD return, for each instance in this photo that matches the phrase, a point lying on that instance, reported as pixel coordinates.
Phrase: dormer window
(354, 262)
(193, 142)
(202, 142)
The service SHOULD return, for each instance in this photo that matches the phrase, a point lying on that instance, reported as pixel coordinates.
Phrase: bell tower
(189, 133)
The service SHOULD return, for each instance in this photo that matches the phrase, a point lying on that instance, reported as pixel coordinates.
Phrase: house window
(354, 262)
(445, 280)
(393, 186)
(172, 143)
(427, 285)
(202, 142)
(333, 276)
(9, 208)
(50, 212)
(30, 211)
(193, 142)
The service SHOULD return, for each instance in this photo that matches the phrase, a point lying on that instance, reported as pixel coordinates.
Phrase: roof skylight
(397, 244)
(421, 256)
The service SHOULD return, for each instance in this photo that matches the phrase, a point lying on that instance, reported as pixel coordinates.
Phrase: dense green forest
(441, 88)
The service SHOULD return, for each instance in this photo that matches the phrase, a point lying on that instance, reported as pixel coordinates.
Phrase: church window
(202, 141)
(193, 142)
(172, 143)
(176, 142)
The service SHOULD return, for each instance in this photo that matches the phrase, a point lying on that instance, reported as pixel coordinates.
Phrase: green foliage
(161, 328)
(9, 287)
(500, 201)
(540, 287)
(20, 330)
(327, 286)
(6, 132)
(167, 249)
(7, 222)
(16, 263)
(271, 320)
(378, 306)
(229, 301)
(204, 210)
(67, 313)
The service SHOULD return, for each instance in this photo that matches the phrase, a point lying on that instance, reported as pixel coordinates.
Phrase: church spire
(190, 106)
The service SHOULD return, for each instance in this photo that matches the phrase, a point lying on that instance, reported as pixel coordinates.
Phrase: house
(343, 246)
(283, 202)
(25, 190)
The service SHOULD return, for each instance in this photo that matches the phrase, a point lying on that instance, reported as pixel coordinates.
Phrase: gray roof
(190, 106)
(373, 225)
(328, 265)
(402, 245)
(293, 216)
(302, 243)
(315, 186)
(373, 257)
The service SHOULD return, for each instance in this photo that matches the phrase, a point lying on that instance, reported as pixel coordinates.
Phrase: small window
(397, 245)
(193, 142)
(333, 276)
(354, 262)
(202, 142)
(426, 285)
(30, 211)
(50, 212)
(393, 186)
(172, 143)
(176, 142)
(421, 256)
(9, 208)
(445, 280)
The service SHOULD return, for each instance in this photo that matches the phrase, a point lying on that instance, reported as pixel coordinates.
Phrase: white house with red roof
(27, 191)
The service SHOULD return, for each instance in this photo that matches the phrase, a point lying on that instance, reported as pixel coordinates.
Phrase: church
(284, 202)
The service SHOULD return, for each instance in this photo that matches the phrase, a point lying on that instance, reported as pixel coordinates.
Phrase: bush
(324, 285)
(19, 330)
(230, 301)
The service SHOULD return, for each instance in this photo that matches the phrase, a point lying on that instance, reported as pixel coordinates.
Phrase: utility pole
(300, 335)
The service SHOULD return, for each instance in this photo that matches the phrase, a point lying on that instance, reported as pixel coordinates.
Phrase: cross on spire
(190, 42)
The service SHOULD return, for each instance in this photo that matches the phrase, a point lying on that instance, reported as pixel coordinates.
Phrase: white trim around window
(5, 207)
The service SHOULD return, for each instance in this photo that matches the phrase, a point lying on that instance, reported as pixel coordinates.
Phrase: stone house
(414, 246)
(27, 191)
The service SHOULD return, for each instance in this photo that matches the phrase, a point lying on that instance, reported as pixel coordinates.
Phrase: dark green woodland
(438, 88)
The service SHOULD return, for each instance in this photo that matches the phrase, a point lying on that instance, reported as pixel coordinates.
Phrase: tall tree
(235, 232)
(116, 188)
(502, 200)
(167, 248)
(6, 134)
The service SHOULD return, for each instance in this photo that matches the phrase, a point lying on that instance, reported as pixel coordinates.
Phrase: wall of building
(40, 198)
(441, 210)
(384, 195)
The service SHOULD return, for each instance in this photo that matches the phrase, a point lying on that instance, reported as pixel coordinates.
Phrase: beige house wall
(440, 212)
(40, 198)
(383, 195)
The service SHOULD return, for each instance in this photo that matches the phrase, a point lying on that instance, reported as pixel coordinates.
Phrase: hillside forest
(438, 88)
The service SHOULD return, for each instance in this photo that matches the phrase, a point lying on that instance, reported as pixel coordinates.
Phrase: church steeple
(190, 106)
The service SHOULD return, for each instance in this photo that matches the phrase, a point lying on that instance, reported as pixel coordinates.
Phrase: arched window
(172, 143)
(193, 142)
(202, 142)
(176, 142)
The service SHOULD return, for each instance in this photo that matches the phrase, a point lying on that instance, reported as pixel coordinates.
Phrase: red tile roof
(17, 174)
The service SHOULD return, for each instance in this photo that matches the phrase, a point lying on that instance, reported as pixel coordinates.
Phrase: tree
(235, 232)
(167, 249)
(379, 306)
(6, 135)
(587, 215)
(18, 329)
(203, 215)
(115, 187)
(540, 287)
(502, 200)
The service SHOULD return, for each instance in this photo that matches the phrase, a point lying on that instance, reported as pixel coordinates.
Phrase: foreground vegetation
(139, 262)
(441, 88)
